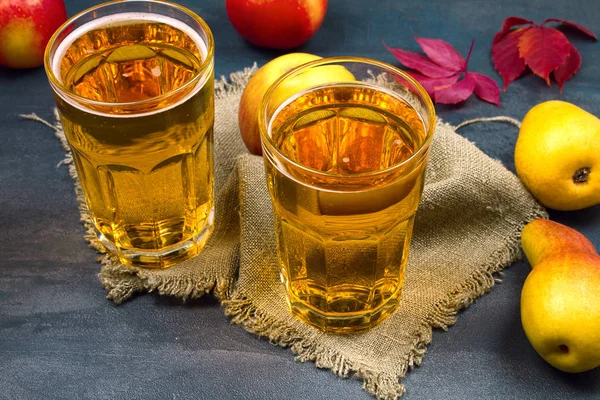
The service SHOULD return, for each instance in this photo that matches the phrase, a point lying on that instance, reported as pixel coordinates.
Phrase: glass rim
(58, 84)
(263, 125)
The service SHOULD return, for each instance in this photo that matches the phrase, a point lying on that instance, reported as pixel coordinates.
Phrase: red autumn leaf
(485, 88)
(571, 65)
(420, 63)
(580, 28)
(430, 84)
(455, 93)
(444, 86)
(510, 23)
(543, 50)
(505, 54)
(441, 53)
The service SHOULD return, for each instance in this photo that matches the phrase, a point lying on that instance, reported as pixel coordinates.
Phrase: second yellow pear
(557, 155)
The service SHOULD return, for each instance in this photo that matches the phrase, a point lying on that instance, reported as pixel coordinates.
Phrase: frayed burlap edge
(120, 281)
(382, 385)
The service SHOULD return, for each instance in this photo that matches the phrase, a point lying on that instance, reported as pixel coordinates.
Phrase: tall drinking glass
(345, 162)
(133, 83)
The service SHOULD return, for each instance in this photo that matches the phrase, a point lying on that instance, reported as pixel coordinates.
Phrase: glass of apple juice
(345, 160)
(133, 83)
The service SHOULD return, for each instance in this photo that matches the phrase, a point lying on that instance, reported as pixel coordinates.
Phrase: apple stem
(581, 175)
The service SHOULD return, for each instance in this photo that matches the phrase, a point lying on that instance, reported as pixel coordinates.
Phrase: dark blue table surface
(60, 337)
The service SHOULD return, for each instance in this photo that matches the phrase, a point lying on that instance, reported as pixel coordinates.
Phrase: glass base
(343, 323)
(160, 259)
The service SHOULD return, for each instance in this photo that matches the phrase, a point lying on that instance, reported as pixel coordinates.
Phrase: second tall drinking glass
(345, 163)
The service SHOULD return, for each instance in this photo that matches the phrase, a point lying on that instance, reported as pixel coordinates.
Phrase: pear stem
(564, 348)
(581, 175)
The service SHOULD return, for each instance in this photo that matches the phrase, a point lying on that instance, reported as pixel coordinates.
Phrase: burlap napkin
(467, 229)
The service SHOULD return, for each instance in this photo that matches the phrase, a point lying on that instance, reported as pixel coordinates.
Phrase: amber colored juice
(343, 243)
(145, 159)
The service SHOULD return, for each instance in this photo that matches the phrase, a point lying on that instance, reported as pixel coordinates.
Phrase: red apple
(279, 24)
(25, 28)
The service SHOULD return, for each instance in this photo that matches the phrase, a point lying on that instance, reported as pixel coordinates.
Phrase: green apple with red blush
(25, 29)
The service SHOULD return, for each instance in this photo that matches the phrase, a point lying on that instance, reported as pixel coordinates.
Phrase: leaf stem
(469, 55)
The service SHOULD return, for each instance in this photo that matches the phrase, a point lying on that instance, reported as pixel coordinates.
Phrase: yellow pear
(560, 300)
(557, 155)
